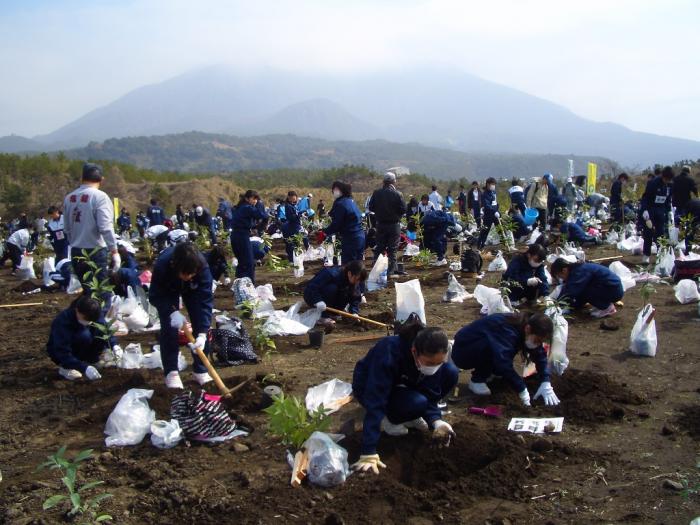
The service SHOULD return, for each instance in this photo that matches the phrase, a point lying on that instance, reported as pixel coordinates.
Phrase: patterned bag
(202, 417)
(231, 344)
(243, 290)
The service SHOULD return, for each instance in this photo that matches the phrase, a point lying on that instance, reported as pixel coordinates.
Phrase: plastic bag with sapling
(686, 291)
(166, 434)
(498, 264)
(643, 338)
(291, 322)
(558, 361)
(455, 293)
(48, 268)
(409, 299)
(332, 395)
(132, 357)
(624, 273)
(153, 360)
(243, 290)
(298, 262)
(491, 300)
(329, 252)
(377, 277)
(74, 286)
(612, 238)
(328, 461)
(26, 268)
(665, 262)
(411, 250)
(532, 239)
(130, 420)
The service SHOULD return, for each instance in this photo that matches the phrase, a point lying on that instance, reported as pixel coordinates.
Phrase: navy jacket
(167, 287)
(328, 279)
(656, 199)
(517, 195)
(246, 216)
(204, 219)
(291, 225)
(523, 229)
(225, 210)
(155, 215)
(495, 339)
(588, 279)
(65, 330)
(346, 219)
(552, 195)
(489, 203)
(388, 364)
(130, 262)
(616, 193)
(217, 268)
(519, 270)
(574, 232)
(127, 277)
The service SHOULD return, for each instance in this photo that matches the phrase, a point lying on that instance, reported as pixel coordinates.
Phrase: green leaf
(75, 501)
(94, 502)
(53, 501)
(83, 455)
(90, 485)
(103, 517)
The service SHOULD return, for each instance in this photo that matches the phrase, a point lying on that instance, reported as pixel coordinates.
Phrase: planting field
(630, 424)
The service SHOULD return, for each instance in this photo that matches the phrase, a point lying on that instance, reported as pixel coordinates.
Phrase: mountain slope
(214, 153)
(17, 144)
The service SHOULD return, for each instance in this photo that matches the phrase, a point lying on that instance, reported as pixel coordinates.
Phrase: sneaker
(393, 430)
(645, 259)
(598, 314)
(202, 378)
(480, 389)
(69, 374)
(418, 424)
(172, 380)
(107, 359)
(441, 262)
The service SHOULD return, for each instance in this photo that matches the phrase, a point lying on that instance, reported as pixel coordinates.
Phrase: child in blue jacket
(74, 344)
(435, 224)
(489, 345)
(182, 271)
(575, 233)
(245, 217)
(336, 286)
(489, 204)
(399, 383)
(588, 283)
(527, 269)
(291, 225)
(346, 222)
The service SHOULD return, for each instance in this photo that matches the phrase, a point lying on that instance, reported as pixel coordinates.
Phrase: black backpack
(471, 261)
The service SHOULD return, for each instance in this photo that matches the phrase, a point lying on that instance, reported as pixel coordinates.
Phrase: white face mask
(531, 344)
(84, 322)
(492, 187)
(429, 370)
(337, 193)
(535, 264)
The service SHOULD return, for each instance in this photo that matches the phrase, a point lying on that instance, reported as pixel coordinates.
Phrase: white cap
(569, 179)
(199, 210)
(310, 195)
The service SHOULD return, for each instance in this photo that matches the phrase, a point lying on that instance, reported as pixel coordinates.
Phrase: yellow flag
(116, 209)
(592, 174)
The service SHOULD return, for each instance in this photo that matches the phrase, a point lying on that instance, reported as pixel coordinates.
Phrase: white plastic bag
(532, 239)
(673, 234)
(377, 277)
(265, 293)
(26, 268)
(686, 291)
(411, 250)
(166, 434)
(153, 360)
(47, 270)
(558, 361)
(456, 293)
(137, 320)
(409, 299)
(298, 261)
(74, 286)
(332, 395)
(632, 244)
(131, 419)
(328, 461)
(612, 238)
(329, 252)
(665, 261)
(491, 300)
(624, 273)
(643, 337)
(132, 357)
(291, 322)
(498, 264)
(493, 239)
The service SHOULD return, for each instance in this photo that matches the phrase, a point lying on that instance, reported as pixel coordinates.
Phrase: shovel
(490, 411)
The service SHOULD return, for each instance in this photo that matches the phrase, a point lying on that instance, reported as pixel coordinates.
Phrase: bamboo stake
(355, 339)
(351, 316)
(210, 368)
(605, 259)
(19, 305)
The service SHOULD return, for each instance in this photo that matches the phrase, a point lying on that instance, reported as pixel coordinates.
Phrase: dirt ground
(630, 424)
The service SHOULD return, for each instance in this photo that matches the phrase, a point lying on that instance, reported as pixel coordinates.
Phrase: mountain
(198, 152)
(435, 107)
(17, 144)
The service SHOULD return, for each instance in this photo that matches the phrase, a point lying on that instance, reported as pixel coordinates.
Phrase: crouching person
(527, 270)
(489, 345)
(74, 344)
(182, 271)
(399, 383)
(588, 283)
(337, 287)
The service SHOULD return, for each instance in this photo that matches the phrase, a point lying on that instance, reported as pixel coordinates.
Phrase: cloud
(621, 61)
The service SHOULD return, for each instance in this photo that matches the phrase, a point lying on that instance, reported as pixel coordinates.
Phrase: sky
(634, 62)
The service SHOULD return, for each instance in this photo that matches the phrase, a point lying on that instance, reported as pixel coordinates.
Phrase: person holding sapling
(399, 383)
(489, 204)
(75, 342)
(291, 225)
(182, 271)
(527, 269)
(245, 216)
(489, 345)
(588, 283)
(654, 209)
(336, 286)
(574, 232)
(346, 222)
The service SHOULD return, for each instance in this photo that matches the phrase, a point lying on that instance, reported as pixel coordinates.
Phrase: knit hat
(389, 178)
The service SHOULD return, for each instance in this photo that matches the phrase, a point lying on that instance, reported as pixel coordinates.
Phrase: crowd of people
(402, 379)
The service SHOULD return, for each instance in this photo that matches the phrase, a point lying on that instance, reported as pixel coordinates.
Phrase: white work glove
(118, 352)
(649, 224)
(320, 306)
(533, 281)
(525, 397)
(198, 343)
(369, 462)
(497, 215)
(227, 281)
(645, 215)
(92, 374)
(177, 320)
(559, 365)
(547, 392)
(116, 261)
(443, 433)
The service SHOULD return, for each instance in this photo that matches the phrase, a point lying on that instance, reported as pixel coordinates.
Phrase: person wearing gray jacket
(89, 227)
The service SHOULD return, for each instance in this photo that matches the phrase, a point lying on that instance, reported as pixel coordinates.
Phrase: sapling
(290, 421)
(99, 288)
(423, 258)
(646, 291)
(89, 508)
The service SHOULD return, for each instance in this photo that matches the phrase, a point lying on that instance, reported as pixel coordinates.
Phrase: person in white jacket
(435, 198)
(15, 247)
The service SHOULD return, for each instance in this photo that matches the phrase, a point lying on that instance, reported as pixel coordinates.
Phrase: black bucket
(316, 337)
(400, 267)
(269, 392)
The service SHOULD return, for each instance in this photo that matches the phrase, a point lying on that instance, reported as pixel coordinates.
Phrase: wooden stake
(210, 368)
(605, 259)
(355, 339)
(351, 316)
(19, 305)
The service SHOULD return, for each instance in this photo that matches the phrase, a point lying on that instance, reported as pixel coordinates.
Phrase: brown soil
(629, 423)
